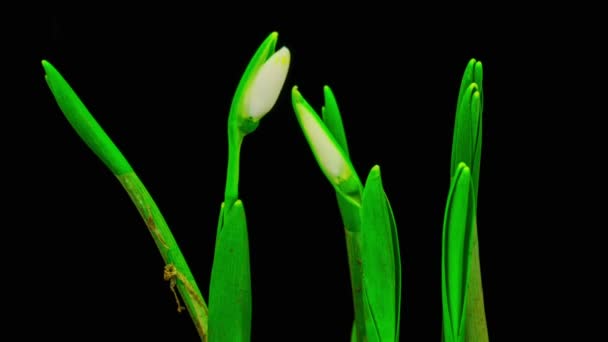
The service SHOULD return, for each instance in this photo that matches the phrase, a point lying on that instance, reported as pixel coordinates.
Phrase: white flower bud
(328, 153)
(266, 86)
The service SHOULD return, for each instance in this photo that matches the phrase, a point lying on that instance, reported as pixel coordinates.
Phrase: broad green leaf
(380, 258)
(230, 289)
(83, 122)
(456, 253)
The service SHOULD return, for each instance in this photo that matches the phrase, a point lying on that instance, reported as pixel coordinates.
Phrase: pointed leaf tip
(83, 122)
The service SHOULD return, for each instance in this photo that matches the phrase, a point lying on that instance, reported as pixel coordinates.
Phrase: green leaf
(230, 288)
(456, 253)
(380, 258)
(473, 73)
(333, 120)
(466, 145)
(83, 122)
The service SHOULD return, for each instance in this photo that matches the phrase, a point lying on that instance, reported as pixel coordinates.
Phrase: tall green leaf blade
(379, 255)
(456, 253)
(230, 289)
(466, 145)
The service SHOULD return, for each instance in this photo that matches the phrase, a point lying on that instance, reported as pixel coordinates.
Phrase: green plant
(370, 229)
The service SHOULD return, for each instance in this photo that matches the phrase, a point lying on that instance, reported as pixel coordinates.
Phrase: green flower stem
(238, 125)
(235, 140)
(352, 232)
(353, 248)
(177, 270)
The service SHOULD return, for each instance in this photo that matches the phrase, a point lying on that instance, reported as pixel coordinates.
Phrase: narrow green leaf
(83, 122)
(466, 145)
(467, 148)
(473, 73)
(468, 77)
(478, 78)
(476, 105)
(333, 119)
(456, 253)
(463, 140)
(380, 257)
(230, 288)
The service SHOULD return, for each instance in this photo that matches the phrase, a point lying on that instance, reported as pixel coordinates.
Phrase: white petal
(329, 157)
(266, 87)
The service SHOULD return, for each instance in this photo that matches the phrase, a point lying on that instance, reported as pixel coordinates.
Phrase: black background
(161, 87)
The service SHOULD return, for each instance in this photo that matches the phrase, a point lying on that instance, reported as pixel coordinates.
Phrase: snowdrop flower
(260, 86)
(267, 84)
(329, 155)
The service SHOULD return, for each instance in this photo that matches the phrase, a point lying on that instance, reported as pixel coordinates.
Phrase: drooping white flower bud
(266, 86)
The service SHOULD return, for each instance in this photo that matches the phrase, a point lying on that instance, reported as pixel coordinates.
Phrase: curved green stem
(176, 270)
(235, 139)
